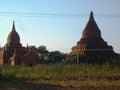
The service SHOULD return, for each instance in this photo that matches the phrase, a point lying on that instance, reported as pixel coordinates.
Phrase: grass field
(59, 76)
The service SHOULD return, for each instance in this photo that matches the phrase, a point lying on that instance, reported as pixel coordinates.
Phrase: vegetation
(59, 75)
(51, 57)
(56, 72)
(94, 60)
(46, 56)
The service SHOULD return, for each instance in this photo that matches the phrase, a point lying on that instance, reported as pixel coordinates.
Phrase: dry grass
(60, 76)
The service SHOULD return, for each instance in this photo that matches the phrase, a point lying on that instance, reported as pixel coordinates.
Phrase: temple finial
(27, 47)
(13, 27)
(91, 15)
(27, 44)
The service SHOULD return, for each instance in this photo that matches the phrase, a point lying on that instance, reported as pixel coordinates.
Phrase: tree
(56, 56)
(43, 53)
(46, 56)
(33, 48)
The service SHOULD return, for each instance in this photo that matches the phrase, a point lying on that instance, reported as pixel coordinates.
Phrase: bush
(94, 60)
(113, 62)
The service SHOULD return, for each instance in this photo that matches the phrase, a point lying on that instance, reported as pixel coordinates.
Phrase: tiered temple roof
(91, 43)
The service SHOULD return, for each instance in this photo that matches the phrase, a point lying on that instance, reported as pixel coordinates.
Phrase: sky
(58, 24)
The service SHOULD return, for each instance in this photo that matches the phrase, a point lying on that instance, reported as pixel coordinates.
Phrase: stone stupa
(91, 44)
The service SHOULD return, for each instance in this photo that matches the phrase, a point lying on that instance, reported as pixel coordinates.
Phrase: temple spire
(13, 27)
(91, 15)
(91, 28)
(13, 36)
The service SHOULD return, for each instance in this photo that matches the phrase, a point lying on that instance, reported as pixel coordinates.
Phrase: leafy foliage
(94, 60)
(48, 57)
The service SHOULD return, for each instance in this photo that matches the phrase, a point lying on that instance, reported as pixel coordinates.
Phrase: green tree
(46, 56)
(32, 48)
(43, 53)
(56, 56)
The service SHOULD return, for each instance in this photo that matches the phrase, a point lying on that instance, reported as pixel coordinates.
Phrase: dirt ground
(55, 88)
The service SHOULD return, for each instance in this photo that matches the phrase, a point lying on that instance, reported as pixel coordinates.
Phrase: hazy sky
(58, 24)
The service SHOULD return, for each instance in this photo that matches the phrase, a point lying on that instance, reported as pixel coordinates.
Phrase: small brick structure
(91, 43)
(13, 53)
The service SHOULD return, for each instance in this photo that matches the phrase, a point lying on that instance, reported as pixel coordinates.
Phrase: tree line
(51, 57)
(46, 56)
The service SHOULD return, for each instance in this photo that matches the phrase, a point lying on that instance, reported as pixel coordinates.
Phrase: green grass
(59, 75)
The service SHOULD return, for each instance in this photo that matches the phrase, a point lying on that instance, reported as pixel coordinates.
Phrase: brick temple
(92, 44)
(13, 53)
